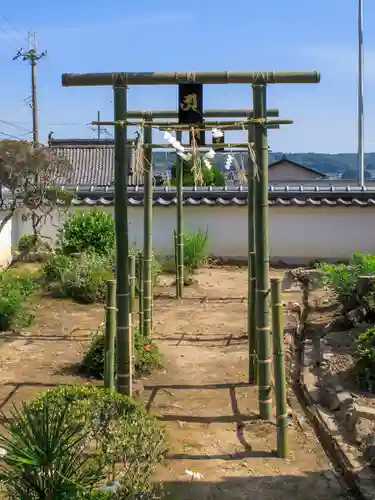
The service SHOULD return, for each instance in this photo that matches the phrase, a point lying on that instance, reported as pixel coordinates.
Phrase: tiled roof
(281, 196)
(286, 196)
(91, 165)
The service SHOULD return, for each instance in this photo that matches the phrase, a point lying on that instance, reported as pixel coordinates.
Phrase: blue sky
(198, 35)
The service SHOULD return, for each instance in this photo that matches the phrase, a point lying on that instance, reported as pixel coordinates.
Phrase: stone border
(358, 477)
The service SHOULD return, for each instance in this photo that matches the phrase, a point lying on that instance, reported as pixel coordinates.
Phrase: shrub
(91, 434)
(147, 356)
(195, 248)
(44, 455)
(15, 300)
(54, 268)
(85, 279)
(364, 360)
(92, 231)
(342, 278)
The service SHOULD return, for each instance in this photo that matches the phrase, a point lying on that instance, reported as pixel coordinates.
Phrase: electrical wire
(16, 126)
(12, 47)
(19, 138)
(14, 27)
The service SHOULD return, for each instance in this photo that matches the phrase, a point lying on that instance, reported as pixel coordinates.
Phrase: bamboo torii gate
(258, 235)
(145, 327)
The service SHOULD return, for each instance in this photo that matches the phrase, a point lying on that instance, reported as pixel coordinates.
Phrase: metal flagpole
(361, 154)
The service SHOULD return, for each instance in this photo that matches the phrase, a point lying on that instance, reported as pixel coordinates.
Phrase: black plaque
(219, 140)
(190, 103)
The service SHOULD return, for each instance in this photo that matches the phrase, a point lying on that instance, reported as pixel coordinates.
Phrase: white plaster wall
(296, 234)
(5, 241)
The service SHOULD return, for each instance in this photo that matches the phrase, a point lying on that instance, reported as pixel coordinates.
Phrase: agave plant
(43, 455)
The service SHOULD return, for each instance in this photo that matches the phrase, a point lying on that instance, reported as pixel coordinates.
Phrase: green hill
(332, 164)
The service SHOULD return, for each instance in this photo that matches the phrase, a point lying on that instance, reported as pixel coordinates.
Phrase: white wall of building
(6, 243)
(296, 234)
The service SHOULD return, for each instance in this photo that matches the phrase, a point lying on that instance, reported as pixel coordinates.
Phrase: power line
(20, 138)
(11, 46)
(14, 27)
(16, 126)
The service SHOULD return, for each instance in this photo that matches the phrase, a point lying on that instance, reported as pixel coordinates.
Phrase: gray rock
(328, 398)
(369, 451)
(332, 400)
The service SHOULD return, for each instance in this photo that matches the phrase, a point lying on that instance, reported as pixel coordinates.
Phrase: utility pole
(32, 57)
(360, 124)
(99, 130)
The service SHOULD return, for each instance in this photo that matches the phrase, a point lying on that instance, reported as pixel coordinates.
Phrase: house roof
(283, 196)
(298, 165)
(92, 162)
(328, 196)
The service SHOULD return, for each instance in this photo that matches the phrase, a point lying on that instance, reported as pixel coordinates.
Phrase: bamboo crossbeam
(215, 78)
(197, 126)
(201, 148)
(210, 113)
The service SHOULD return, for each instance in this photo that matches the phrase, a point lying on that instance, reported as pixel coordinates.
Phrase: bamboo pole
(279, 369)
(251, 300)
(209, 113)
(140, 293)
(132, 283)
(147, 236)
(180, 222)
(188, 147)
(109, 339)
(240, 125)
(176, 268)
(262, 258)
(124, 361)
(251, 308)
(214, 78)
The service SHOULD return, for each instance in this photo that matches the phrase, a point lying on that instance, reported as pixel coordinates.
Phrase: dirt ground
(210, 412)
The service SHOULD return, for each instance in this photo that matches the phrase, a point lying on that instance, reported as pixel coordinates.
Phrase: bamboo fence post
(110, 334)
(124, 359)
(279, 369)
(140, 293)
(147, 238)
(262, 259)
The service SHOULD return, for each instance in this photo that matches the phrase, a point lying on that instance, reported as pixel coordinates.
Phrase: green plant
(44, 453)
(15, 300)
(85, 279)
(92, 231)
(342, 278)
(364, 360)
(28, 243)
(117, 437)
(147, 356)
(195, 248)
(54, 268)
(210, 176)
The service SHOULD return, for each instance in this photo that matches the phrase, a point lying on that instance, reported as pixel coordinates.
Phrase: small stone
(328, 398)
(332, 400)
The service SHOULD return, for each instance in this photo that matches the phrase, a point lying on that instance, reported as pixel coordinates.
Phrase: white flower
(3, 452)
